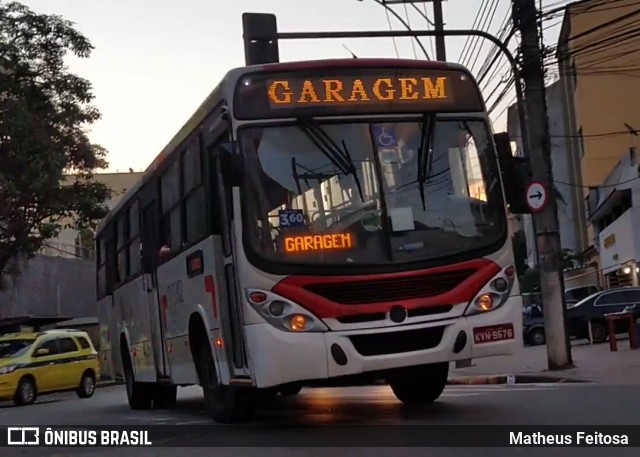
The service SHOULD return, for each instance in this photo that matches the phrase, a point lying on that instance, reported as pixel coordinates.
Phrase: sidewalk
(592, 363)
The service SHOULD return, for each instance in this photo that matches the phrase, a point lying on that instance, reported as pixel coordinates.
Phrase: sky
(155, 61)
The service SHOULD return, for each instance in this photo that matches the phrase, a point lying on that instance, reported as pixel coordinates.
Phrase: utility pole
(441, 53)
(545, 217)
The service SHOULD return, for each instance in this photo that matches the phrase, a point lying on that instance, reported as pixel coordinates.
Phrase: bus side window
(101, 280)
(135, 255)
(112, 263)
(171, 211)
(221, 201)
(193, 200)
(122, 242)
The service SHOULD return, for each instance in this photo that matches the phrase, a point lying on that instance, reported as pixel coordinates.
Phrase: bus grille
(373, 344)
(393, 289)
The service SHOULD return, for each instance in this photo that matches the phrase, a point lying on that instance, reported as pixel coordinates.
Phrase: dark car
(575, 294)
(533, 325)
(596, 306)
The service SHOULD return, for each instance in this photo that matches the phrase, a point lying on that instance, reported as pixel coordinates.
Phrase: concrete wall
(50, 286)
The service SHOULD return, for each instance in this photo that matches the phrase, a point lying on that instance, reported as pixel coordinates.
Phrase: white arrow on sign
(536, 196)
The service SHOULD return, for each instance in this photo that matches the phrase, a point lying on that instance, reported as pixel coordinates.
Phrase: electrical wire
(479, 41)
(395, 45)
(463, 51)
(413, 44)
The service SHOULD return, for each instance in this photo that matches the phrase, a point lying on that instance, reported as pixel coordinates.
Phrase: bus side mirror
(516, 174)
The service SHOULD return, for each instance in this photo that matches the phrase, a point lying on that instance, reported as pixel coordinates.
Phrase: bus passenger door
(150, 249)
(230, 302)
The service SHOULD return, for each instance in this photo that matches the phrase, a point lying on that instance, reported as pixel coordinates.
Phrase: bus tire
(165, 397)
(421, 386)
(224, 404)
(139, 395)
(289, 391)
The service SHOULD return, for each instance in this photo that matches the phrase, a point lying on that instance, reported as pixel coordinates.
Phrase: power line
(463, 51)
(395, 45)
(479, 41)
(413, 44)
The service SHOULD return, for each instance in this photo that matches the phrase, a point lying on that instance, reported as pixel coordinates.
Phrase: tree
(46, 159)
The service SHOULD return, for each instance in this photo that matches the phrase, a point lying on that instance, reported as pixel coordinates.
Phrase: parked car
(596, 306)
(575, 294)
(533, 326)
(33, 364)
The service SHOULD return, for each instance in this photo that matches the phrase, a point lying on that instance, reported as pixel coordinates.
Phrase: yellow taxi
(33, 364)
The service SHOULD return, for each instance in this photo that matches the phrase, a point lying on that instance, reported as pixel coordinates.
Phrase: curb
(108, 383)
(518, 379)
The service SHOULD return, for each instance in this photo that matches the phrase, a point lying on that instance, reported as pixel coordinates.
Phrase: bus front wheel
(224, 404)
(138, 394)
(421, 386)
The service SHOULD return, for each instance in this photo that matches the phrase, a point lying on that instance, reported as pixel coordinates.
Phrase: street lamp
(402, 21)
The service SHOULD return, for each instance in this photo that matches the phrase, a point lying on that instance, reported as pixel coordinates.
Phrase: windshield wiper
(340, 157)
(427, 127)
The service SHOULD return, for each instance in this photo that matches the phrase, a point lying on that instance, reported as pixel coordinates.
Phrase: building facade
(570, 207)
(598, 69)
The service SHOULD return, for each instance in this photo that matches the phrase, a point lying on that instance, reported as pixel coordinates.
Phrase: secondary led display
(310, 243)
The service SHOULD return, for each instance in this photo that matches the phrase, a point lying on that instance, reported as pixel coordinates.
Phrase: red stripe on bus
(293, 288)
(210, 288)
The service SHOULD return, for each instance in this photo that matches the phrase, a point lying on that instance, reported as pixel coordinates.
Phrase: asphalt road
(566, 404)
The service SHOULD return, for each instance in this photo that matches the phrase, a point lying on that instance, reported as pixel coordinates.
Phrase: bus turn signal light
(258, 297)
(298, 322)
(485, 302)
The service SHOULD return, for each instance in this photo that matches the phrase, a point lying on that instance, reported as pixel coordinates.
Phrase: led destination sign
(355, 91)
(287, 93)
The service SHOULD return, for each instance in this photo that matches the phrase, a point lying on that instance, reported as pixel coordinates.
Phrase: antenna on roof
(349, 51)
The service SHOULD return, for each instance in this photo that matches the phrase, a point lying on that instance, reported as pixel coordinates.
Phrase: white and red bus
(317, 223)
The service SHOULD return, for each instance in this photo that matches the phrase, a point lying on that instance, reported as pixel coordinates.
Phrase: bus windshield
(354, 193)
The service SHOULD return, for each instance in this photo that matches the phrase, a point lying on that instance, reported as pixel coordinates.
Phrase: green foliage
(44, 113)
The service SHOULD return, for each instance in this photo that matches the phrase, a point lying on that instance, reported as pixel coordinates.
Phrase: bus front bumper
(279, 357)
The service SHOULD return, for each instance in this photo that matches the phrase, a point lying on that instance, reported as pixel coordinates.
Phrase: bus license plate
(493, 333)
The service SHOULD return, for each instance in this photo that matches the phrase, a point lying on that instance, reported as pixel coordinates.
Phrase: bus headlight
(485, 302)
(298, 322)
(283, 313)
(494, 294)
